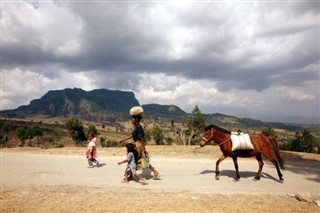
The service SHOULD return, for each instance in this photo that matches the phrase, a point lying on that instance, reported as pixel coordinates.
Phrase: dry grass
(82, 199)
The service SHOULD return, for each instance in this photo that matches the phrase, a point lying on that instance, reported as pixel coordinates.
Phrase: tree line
(187, 134)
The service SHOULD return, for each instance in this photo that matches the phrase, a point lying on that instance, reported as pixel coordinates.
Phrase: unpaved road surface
(49, 181)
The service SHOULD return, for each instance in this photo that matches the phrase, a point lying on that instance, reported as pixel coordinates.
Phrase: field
(58, 180)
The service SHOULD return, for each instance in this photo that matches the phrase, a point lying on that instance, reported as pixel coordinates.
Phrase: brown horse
(261, 144)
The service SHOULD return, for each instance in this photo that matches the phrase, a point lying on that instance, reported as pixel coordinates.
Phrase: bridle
(211, 137)
(207, 139)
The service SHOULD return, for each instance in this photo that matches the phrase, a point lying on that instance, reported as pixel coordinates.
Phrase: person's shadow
(146, 173)
(101, 164)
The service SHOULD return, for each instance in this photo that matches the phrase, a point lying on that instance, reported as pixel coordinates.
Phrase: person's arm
(121, 162)
(90, 146)
(89, 151)
(123, 140)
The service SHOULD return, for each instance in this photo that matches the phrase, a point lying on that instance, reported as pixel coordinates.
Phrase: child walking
(132, 164)
(92, 151)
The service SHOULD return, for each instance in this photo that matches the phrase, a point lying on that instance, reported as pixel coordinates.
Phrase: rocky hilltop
(95, 105)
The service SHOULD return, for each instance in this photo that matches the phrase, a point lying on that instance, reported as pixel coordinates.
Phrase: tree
(92, 128)
(22, 135)
(75, 128)
(5, 129)
(308, 141)
(36, 131)
(177, 131)
(304, 142)
(57, 136)
(31, 132)
(157, 134)
(269, 132)
(195, 124)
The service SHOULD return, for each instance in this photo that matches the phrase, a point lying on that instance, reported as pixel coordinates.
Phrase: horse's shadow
(243, 174)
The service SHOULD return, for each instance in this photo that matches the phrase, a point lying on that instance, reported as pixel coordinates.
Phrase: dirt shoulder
(57, 180)
(83, 199)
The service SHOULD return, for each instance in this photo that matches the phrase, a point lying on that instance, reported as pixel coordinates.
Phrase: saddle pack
(240, 141)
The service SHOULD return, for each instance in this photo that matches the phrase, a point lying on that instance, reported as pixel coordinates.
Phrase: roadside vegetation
(72, 132)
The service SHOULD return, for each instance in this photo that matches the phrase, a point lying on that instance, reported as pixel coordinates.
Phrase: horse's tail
(275, 144)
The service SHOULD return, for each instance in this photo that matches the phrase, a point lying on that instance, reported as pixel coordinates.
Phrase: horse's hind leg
(275, 163)
(217, 165)
(236, 166)
(259, 159)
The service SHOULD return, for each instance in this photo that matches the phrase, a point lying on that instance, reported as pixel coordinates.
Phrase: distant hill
(164, 111)
(92, 105)
(96, 105)
(234, 123)
(112, 106)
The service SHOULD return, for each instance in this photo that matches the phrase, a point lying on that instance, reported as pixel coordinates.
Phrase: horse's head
(206, 136)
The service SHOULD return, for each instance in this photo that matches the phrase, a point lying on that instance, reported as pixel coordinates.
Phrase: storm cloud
(253, 59)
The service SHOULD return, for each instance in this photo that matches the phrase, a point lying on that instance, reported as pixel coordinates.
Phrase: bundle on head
(136, 111)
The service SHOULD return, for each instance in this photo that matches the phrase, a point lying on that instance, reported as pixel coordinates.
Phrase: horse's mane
(217, 128)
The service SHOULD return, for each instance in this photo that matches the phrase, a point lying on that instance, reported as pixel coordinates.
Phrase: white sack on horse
(240, 141)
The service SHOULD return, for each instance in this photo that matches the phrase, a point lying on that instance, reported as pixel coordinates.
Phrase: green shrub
(76, 131)
(169, 140)
(108, 142)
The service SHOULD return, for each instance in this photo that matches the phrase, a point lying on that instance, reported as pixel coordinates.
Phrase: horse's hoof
(281, 180)
(236, 179)
(217, 177)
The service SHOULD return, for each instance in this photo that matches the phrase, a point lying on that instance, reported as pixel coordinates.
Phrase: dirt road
(44, 182)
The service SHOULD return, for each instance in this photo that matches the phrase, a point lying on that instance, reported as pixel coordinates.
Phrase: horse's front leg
(217, 165)
(235, 162)
(259, 159)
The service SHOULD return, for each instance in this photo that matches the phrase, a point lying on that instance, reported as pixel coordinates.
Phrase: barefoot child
(131, 166)
(92, 151)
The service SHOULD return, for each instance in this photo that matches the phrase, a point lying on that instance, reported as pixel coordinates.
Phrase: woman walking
(138, 138)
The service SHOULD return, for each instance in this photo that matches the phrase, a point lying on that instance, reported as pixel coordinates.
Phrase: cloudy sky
(254, 59)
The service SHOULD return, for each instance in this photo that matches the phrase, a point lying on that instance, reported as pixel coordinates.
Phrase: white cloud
(291, 93)
(19, 87)
(159, 88)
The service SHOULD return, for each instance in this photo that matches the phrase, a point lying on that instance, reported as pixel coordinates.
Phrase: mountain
(164, 111)
(95, 105)
(111, 106)
(234, 123)
(77, 102)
